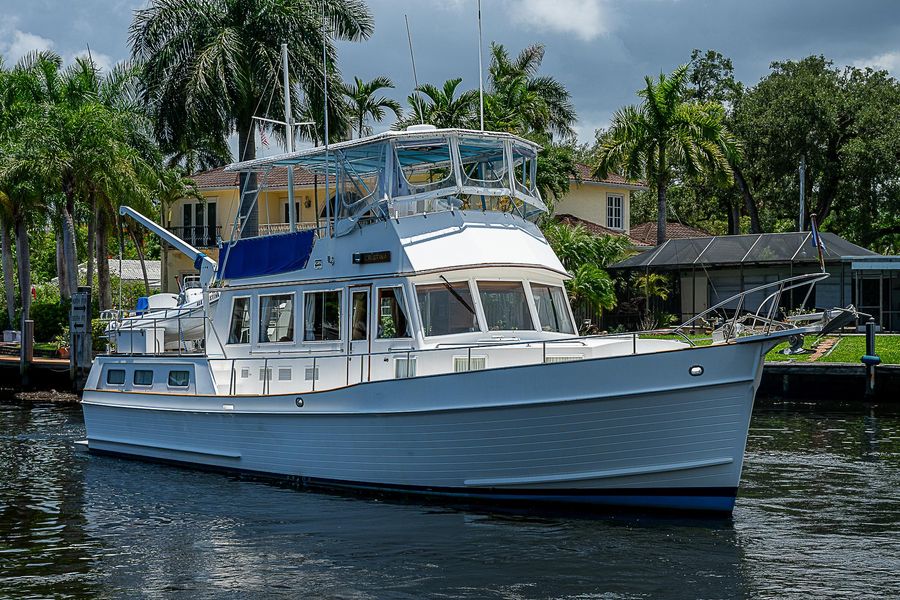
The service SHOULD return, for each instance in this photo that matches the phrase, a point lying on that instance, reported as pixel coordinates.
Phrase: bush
(50, 313)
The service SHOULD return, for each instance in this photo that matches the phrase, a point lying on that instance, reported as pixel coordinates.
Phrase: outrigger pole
(202, 262)
(288, 137)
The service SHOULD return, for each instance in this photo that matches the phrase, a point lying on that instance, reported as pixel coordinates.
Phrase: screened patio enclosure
(708, 270)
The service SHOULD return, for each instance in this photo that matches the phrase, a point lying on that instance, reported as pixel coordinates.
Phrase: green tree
(442, 107)
(844, 121)
(211, 66)
(522, 102)
(666, 131)
(585, 256)
(363, 102)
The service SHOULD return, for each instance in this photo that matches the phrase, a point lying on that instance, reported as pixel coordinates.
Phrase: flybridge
(420, 170)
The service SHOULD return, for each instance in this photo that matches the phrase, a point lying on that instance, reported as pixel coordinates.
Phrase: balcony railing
(204, 236)
(272, 228)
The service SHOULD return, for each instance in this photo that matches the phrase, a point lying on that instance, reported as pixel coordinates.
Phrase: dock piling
(26, 351)
(870, 358)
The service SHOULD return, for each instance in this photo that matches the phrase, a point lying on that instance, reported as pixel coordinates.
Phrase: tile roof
(219, 178)
(585, 174)
(646, 232)
(597, 229)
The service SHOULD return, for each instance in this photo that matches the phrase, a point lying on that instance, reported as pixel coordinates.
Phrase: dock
(831, 381)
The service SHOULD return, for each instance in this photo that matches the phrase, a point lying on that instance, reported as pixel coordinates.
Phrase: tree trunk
(70, 251)
(140, 253)
(61, 266)
(661, 211)
(732, 219)
(23, 257)
(749, 201)
(8, 276)
(249, 211)
(92, 228)
(102, 245)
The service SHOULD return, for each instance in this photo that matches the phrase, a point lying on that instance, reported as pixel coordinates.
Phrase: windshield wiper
(456, 295)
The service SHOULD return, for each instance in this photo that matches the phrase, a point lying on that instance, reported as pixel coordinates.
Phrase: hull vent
(563, 358)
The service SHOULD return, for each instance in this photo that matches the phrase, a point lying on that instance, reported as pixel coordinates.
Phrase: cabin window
(392, 320)
(322, 316)
(505, 305)
(179, 378)
(143, 377)
(446, 308)
(115, 376)
(552, 309)
(614, 212)
(359, 315)
(276, 318)
(239, 332)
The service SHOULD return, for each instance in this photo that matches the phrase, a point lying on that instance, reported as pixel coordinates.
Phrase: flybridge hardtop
(386, 177)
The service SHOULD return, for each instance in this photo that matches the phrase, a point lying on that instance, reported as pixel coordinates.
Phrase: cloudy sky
(601, 49)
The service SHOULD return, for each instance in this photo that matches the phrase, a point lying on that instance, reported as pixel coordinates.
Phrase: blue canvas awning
(269, 255)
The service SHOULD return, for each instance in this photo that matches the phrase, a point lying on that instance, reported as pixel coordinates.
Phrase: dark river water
(818, 515)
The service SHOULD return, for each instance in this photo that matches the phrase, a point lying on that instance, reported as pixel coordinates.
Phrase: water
(818, 515)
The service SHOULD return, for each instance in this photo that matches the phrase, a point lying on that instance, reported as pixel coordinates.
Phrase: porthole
(696, 371)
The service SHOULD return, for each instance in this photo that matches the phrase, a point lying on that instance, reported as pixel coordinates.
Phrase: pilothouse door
(360, 338)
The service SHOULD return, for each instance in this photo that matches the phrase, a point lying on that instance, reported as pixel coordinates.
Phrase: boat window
(425, 164)
(276, 318)
(115, 376)
(359, 315)
(446, 308)
(239, 332)
(179, 378)
(392, 320)
(483, 162)
(505, 305)
(322, 316)
(552, 311)
(143, 377)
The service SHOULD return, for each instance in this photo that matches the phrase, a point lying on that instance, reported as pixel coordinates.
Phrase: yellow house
(204, 223)
(602, 205)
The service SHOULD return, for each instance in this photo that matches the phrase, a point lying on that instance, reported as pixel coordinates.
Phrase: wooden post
(26, 353)
(80, 345)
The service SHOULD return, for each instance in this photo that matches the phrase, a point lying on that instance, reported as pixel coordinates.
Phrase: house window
(614, 206)
(322, 316)
(505, 305)
(287, 215)
(552, 310)
(446, 308)
(239, 332)
(198, 221)
(276, 318)
(392, 321)
(143, 377)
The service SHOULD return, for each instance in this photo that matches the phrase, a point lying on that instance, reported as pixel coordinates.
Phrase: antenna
(288, 138)
(412, 58)
(480, 71)
(325, 110)
(802, 192)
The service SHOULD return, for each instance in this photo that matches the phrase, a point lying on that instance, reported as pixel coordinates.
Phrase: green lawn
(849, 349)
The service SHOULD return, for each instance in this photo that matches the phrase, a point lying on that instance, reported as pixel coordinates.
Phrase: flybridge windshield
(397, 174)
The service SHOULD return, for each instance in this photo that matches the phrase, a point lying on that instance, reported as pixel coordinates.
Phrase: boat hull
(635, 431)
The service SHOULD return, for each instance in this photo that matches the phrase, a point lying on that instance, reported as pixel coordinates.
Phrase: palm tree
(211, 66)
(664, 132)
(363, 103)
(539, 104)
(441, 107)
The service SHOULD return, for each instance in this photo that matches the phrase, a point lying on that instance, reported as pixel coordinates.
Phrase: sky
(600, 49)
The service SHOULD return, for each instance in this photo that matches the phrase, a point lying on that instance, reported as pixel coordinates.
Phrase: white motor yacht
(420, 341)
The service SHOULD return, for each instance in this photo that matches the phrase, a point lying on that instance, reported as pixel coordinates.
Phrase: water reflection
(818, 512)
